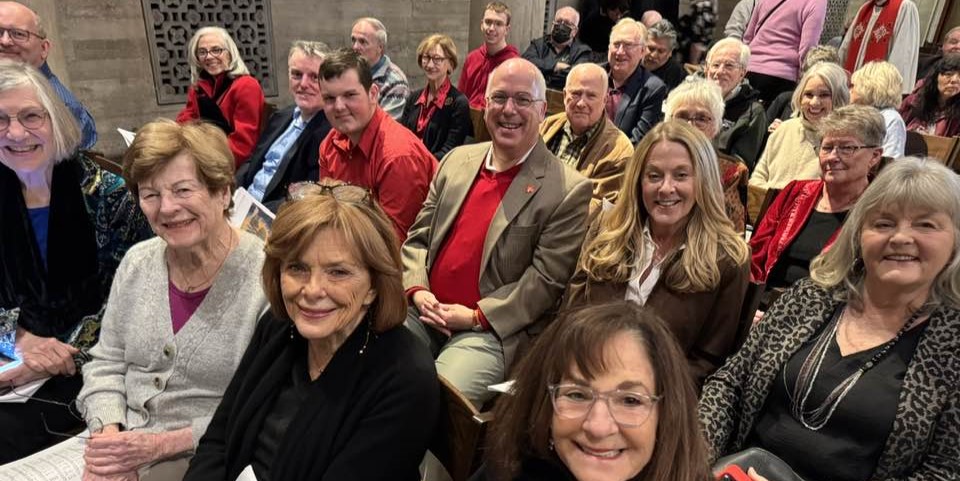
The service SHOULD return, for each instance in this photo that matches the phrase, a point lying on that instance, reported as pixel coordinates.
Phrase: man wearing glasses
(494, 51)
(636, 96)
(288, 149)
(556, 52)
(23, 39)
(744, 119)
(497, 239)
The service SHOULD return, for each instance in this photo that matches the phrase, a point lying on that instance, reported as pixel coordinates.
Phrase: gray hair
(309, 48)
(571, 9)
(236, 67)
(63, 126)
(379, 30)
(663, 30)
(861, 121)
(833, 75)
(731, 42)
(594, 68)
(906, 183)
(627, 22)
(820, 53)
(696, 90)
(878, 84)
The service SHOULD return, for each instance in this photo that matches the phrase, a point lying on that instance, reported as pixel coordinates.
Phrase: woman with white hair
(223, 92)
(878, 84)
(699, 102)
(791, 152)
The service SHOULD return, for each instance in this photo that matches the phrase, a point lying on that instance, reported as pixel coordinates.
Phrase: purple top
(779, 46)
(183, 305)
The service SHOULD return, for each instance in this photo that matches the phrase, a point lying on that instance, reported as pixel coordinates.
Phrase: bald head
(34, 47)
(515, 108)
(585, 96)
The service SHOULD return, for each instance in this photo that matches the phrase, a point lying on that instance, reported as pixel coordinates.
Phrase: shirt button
(167, 351)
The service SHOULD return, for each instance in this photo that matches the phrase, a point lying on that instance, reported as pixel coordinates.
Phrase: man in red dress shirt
(497, 239)
(494, 51)
(369, 148)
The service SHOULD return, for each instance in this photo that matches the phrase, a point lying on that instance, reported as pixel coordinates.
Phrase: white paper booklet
(250, 215)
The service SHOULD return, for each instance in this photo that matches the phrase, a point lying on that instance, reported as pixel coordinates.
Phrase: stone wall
(100, 49)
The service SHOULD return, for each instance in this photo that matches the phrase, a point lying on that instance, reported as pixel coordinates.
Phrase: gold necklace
(209, 278)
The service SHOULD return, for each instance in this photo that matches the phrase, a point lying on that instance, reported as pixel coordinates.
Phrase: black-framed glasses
(628, 408)
(30, 119)
(843, 150)
(521, 101)
(19, 35)
(428, 59)
(215, 51)
(340, 191)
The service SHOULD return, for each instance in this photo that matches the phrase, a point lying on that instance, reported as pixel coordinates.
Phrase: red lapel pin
(530, 188)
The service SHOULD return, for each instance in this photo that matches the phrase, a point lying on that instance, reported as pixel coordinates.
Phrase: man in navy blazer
(288, 149)
(635, 98)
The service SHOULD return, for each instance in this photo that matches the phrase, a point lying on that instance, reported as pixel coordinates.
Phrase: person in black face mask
(559, 50)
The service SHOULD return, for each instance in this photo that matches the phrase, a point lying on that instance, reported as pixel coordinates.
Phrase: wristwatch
(477, 327)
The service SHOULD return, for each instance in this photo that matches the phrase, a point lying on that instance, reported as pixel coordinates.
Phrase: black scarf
(53, 299)
(208, 106)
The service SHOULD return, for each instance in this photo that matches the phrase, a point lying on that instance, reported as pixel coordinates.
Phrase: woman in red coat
(223, 92)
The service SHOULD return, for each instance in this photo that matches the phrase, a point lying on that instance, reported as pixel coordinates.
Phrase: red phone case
(733, 473)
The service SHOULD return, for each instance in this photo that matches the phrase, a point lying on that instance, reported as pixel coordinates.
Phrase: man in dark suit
(635, 99)
(287, 151)
(497, 239)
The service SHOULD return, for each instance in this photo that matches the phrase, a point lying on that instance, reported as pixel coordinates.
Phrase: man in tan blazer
(497, 239)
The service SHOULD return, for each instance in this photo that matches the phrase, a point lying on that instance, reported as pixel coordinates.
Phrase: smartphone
(733, 473)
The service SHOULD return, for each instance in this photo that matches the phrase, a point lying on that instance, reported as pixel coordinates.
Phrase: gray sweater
(142, 375)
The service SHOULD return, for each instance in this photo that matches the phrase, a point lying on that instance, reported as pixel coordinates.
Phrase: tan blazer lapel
(457, 185)
(523, 188)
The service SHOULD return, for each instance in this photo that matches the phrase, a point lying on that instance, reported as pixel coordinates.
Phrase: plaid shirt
(568, 148)
(394, 88)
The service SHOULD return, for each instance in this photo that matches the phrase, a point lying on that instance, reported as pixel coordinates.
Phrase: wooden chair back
(944, 149)
(554, 101)
(105, 163)
(456, 442)
(758, 200)
(480, 133)
(268, 110)
(915, 145)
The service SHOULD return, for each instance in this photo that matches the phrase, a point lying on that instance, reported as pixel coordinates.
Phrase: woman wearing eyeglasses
(699, 102)
(223, 92)
(852, 375)
(934, 107)
(806, 216)
(602, 395)
(439, 114)
(332, 386)
(64, 226)
(791, 152)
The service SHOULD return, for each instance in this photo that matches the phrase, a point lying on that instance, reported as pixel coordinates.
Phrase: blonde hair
(445, 43)
(909, 182)
(833, 75)
(878, 84)
(615, 253)
(700, 91)
(236, 67)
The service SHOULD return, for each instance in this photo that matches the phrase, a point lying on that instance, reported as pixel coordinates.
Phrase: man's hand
(561, 67)
(46, 354)
(430, 312)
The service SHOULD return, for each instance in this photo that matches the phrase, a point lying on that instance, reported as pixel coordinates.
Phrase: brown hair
(499, 7)
(521, 426)
(160, 141)
(365, 228)
(342, 60)
(446, 44)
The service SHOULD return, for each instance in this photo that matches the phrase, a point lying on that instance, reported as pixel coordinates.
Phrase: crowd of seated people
(602, 253)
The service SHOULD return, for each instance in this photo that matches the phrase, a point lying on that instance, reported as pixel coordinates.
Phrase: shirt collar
(367, 138)
(488, 161)
(441, 97)
(586, 135)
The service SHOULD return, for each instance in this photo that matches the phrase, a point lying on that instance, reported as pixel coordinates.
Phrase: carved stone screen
(171, 23)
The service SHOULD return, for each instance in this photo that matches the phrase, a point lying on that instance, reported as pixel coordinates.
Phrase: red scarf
(878, 39)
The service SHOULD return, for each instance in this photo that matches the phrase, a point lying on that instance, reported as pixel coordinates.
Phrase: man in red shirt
(494, 51)
(497, 239)
(369, 148)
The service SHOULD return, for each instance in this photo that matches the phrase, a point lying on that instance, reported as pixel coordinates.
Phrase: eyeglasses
(215, 51)
(565, 23)
(30, 119)
(71, 408)
(696, 119)
(623, 45)
(629, 409)
(493, 23)
(950, 73)
(724, 66)
(428, 59)
(520, 101)
(843, 150)
(19, 35)
(342, 192)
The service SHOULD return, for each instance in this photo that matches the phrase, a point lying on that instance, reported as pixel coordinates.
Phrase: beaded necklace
(817, 418)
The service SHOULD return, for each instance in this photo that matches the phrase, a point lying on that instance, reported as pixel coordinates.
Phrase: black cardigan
(448, 128)
(369, 416)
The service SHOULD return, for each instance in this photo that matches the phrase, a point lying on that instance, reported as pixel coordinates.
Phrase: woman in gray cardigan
(182, 309)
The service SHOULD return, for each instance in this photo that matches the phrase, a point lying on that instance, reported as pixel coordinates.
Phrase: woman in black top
(851, 375)
(439, 114)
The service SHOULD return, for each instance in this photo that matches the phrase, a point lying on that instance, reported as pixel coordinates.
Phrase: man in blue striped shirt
(22, 38)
